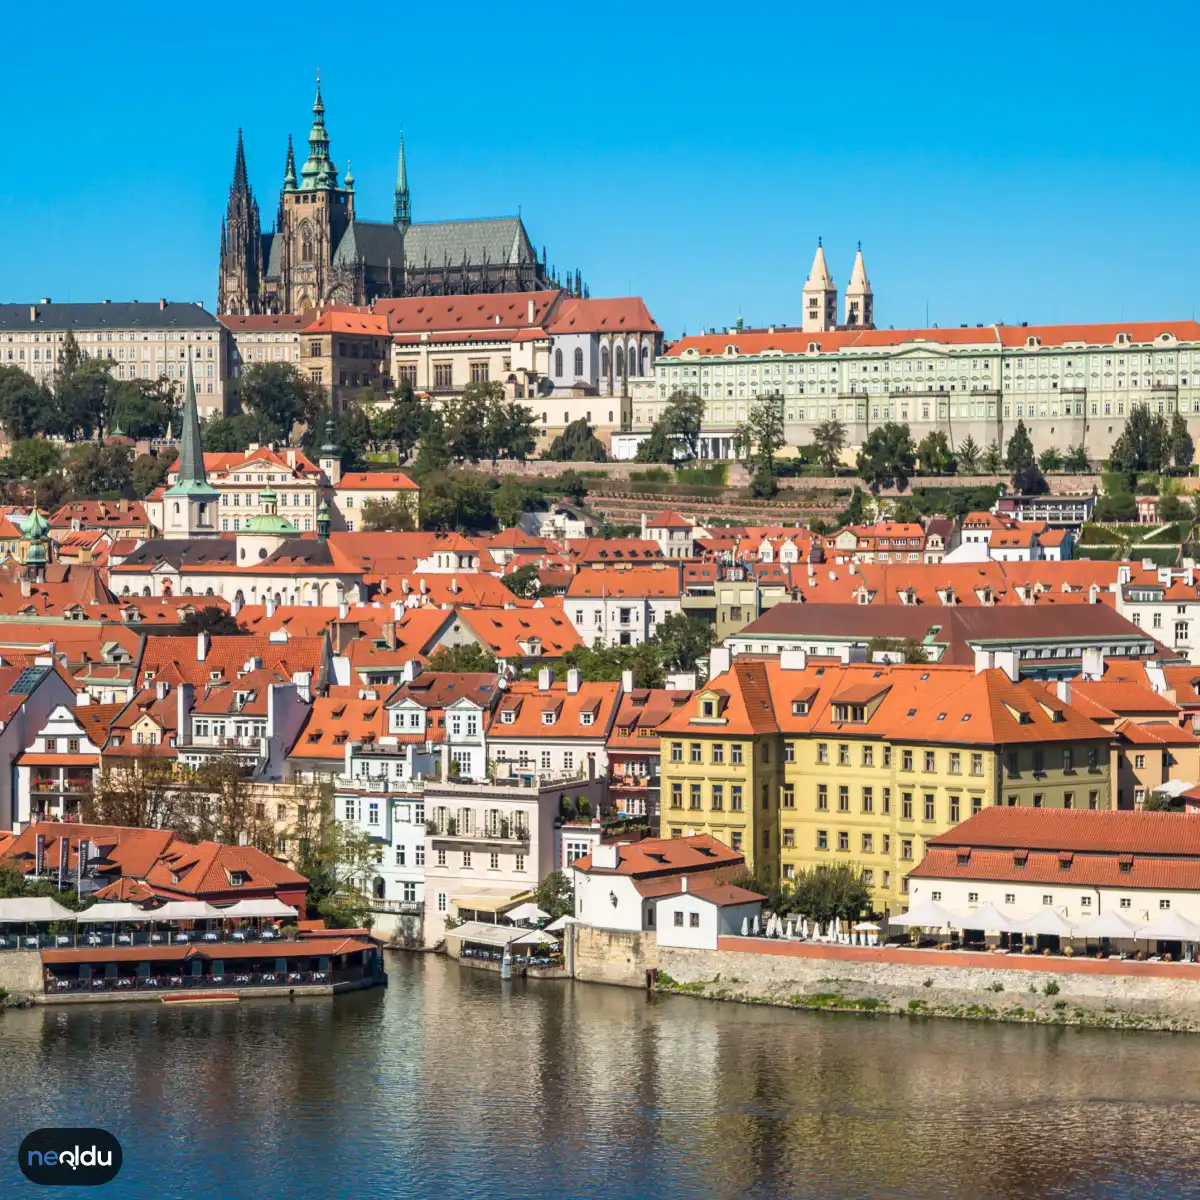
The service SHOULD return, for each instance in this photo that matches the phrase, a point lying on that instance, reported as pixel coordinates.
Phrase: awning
(185, 910)
(987, 918)
(117, 910)
(536, 937)
(928, 915)
(486, 934)
(527, 912)
(1169, 927)
(22, 909)
(264, 907)
(491, 900)
(1105, 925)
(563, 922)
(1044, 921)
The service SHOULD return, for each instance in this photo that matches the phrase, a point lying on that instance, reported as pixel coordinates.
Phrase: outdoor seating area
(40, 923)
(484, 942)
(831, 932)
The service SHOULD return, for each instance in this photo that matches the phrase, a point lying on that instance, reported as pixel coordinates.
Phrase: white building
(694, 918)
(623, 606)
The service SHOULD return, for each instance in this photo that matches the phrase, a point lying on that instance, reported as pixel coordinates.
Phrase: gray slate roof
(375, 242)
(272, 255)
(117, 315)
(495, 240)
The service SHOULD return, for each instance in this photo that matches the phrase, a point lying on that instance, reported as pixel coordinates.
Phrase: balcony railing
(227, 979)
(406, 908)
(478, 833)
(67, 785)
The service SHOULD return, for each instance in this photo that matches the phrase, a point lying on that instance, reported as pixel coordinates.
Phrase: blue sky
(1027, 162)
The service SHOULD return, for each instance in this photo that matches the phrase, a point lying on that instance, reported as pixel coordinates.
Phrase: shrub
(996, 987)
(1052, 988)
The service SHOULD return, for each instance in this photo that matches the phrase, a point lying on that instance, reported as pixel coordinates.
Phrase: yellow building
(864, 763)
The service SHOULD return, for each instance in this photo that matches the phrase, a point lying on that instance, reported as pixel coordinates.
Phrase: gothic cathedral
(319, 252)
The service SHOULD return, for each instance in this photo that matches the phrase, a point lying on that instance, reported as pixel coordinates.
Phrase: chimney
(545, 679)
(412, 669)
(793, 660)
(303, 682)
(270, 606)
(1093, 594)
(574, 679)
(162, 304)
(235, 607)
(718, 661)
(1063, 690)
(388, 628)
(683, 884)
(33, 314)
(1092, 663)
(983, 660)
(343, 611)
(82, 698)
(605, 856)
(1006, 661)
(531, 311)
(203, 641)
(627, 681)
(161, 688)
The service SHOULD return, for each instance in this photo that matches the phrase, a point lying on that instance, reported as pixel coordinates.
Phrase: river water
(450, 1084)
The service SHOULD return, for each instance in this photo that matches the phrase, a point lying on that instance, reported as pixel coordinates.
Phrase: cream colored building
(1070, 384)
(142, 341)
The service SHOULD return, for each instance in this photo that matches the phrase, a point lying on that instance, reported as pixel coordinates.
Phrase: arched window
(578, 364)
(645, 359)
(558, 364)
(619, 362)
(177, 508)
(604, 361)
(306, 245)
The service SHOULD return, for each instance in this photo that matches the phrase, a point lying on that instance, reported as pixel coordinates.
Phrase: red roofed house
(619, 885)
(623, 606)
(353, 490)
(673, 533)
(1139, 865)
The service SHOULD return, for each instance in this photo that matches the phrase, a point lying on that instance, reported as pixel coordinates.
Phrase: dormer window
(548, 717)
(586, 718)
(238, 878)
(799, 708)
(708, 708)
(508, 717)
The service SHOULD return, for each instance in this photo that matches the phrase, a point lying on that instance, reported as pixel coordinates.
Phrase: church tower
(860, 302)
(315, 214)
(401, 213)
(241, 244)
(190, 503)
(820, 296)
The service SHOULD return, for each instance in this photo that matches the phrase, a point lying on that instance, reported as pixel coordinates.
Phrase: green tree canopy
(24, 405)
(555, 895)
(1019, 451)
(761, 434)
(969, 455)
(1028, 480)
(1050, 459)
(1144, 444)
(31, 458)
(281, 397)
(210, 619)
(1076, 460)
(523, 582)
(675, 436)
(142, 408)
(472, 657)
(887, 457)
(829, 440)
(936, 455)
(1179, 443)
(577, 443)
(992, 460)
(388, 516)
(401, 423)
(99, 471)
(829, 892)
(683, 641)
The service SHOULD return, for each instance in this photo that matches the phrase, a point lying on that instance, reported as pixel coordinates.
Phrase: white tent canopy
(485, 934)
(1105, 925)
(263, 907)
(115, 910)
(185, 910)
(988, 918)
(1169, 927)
(21, 910)
(927, 915)
(1044, 921)
(526, 912)
(561, 924)
(535, 937)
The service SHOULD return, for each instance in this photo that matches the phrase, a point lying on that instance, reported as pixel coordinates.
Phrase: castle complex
(319, 251)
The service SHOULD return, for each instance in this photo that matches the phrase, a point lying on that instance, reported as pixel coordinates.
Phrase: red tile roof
(666, 856)
(377, 481)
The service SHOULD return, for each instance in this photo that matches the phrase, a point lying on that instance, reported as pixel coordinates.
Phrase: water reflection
(450, 1084)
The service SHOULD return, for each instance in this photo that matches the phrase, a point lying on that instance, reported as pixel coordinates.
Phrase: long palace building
(1072, 385)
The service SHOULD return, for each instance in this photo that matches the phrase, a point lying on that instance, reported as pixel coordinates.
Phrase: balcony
(69, 786)
(405, 908)
(502, 832)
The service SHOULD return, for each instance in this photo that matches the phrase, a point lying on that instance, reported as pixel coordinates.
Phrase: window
(735, 754)
(1068, 799)
(694, 796)
(441, 902)
(955, 816)
(976, 764)
(72, 745)
(906, 760)
(868, 756)
(695, 751)
(822, 752)
(822, 840)
(906, 849)
(1068, 759)
(1126, 902)
(788, 794)
(1093, 800)
(936, 895)
(887, 756)
(493, 862)
(558, 363)
(930, 761)
(578, 364)
(678, 920)
(677, 795)
(843, 755)
(441, 858)
(443, 375)
(676, 751)
(1139, 761)
(735, 798)
(843, 840)
(887, 800)
(735, 840)
(718, 753)
(843, 798)
(789, 752)
(955, 763)
(718, 797)
(1039, 762)
(1010, 897)
(906, 806)
(868, 843)
(929, 814)
(1048, 900)
(868, 800)
(822, 797)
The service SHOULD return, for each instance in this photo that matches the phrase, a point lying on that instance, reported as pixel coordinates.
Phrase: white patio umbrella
(1169, 927)
(757, 926)
(790, 931)
(527, 912)
(745, 927)
(988, 919)
(1105, 925)
(23, 909)
(867, 927)
(114, 910)
(1046, 921)
(259, 907)
(561, 924)
(928, 914)
(804, 927)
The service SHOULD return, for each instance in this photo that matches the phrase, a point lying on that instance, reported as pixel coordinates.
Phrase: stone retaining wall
(611, 955)
(21, 972)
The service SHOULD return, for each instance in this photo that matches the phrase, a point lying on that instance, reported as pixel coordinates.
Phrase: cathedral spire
(289, 170)
(241, 181)
(191, 448)
(318, 171)
(401, 213)
(820, 296)
(860, 301)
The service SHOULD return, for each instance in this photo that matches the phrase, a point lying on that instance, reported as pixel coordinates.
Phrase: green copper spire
(401, 213)
(348, 178)
(323, 520)
(191, 448)
(318, 172)
(289, 171)
(330, 449)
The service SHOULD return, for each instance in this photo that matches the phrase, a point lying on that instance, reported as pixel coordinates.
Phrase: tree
(1116, 509)
(142, 408)
(855, 511)
(81, 402)
(577, 443)
(683, 641)
(675, 436)
(905, 649)
(886, 458)
(230, 434)
(511, 499)
(657, 448)
(514, 432)
(137, 790)
(1019, 451)
(969, 455)
(606, 664)
(210, 619)
(1075, 461)
(764, 485)
(830, 892)
(829, 440)
(992, 460)
(555, 895)
(150, 471)
(1172, 507)
(1028, 480)
(388, 516)
(1050, 460)
(402, 423)
(31, 458)
(432, 455)
(456, 501)
(1179, 441)
(472, 658)
(218, 805)
(339, 862)
(905, 511)
(573, 485)
(935, 454)
(523, 582)
(24, 404)
(281, 397)
(1144, 444)
(762, 434)
(94, 471)
(467, 421)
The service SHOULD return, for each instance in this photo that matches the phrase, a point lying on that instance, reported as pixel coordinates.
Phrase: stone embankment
(1105, 993)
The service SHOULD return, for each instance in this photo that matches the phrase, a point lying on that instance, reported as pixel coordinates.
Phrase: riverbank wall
(900, 980)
